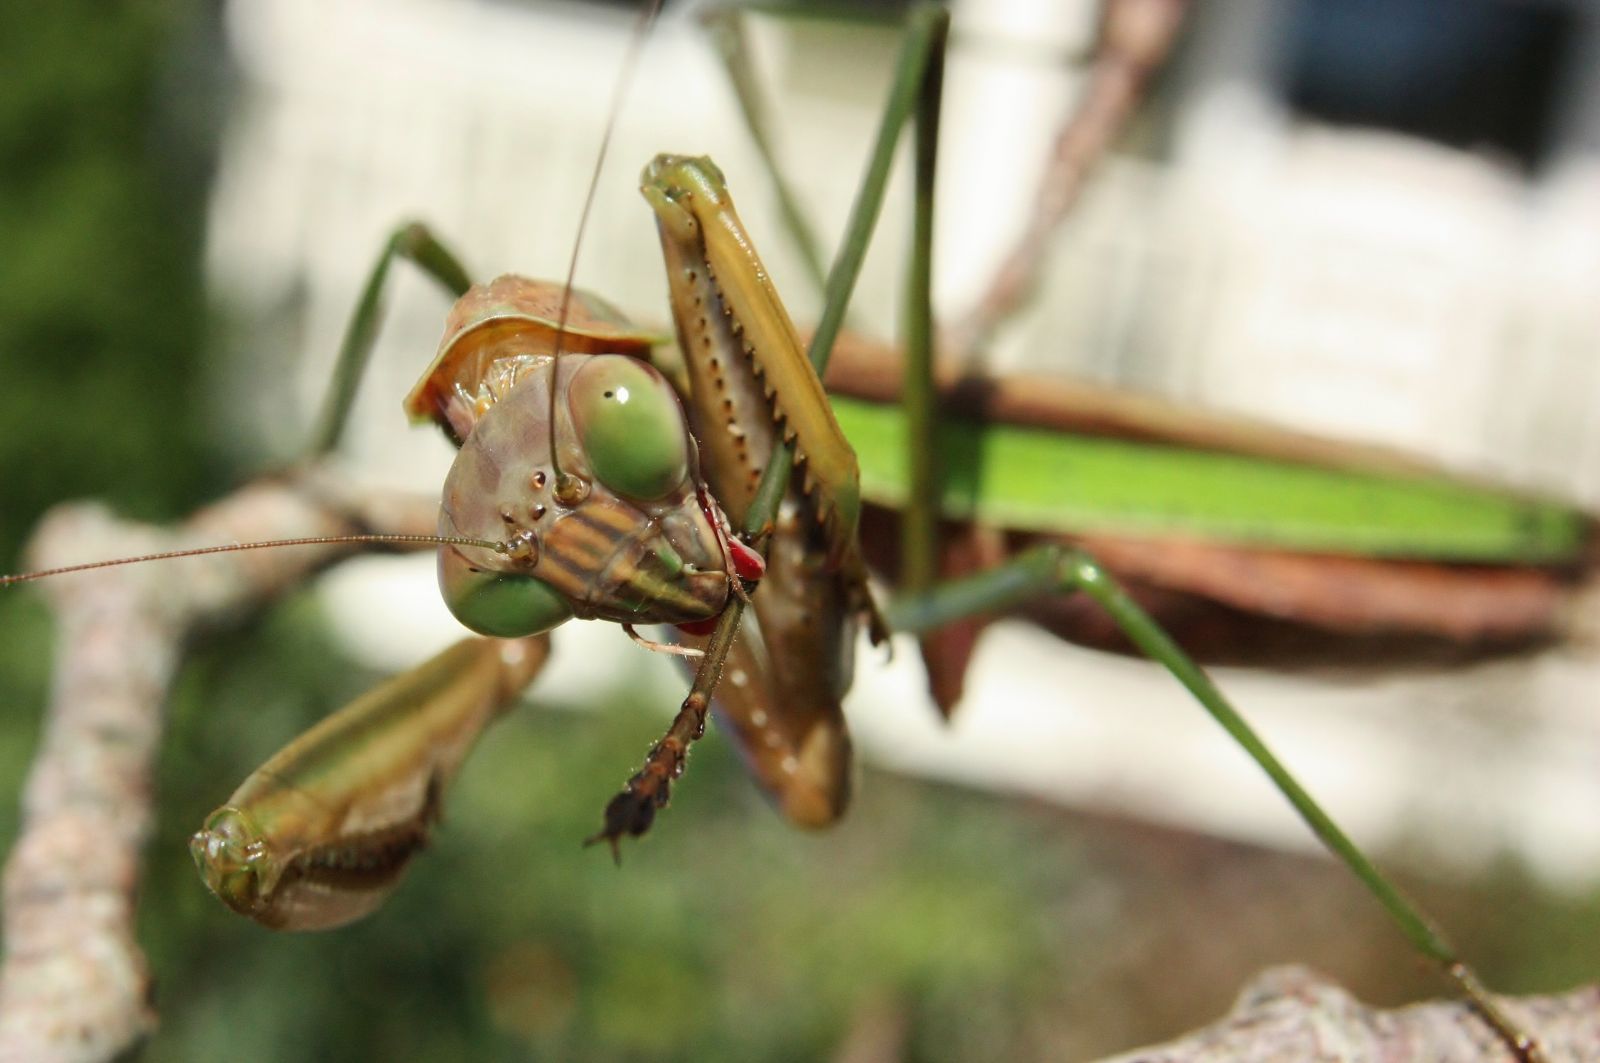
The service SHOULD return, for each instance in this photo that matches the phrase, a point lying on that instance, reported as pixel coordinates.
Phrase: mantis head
(582, 465)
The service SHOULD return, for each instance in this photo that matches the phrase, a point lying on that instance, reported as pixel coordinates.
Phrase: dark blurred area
(1480, 74)
(936, 923)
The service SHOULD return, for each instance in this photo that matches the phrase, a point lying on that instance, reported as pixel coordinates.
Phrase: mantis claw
(628, 814)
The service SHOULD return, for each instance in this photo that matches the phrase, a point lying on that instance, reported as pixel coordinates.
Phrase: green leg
(410, 241)
(919, 540)
(1058, 569)
(1043, 570)
(919, 84)
(925, 33)
(725, 26)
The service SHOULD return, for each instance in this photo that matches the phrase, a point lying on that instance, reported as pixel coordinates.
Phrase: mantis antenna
(565, 487)
(229, 548)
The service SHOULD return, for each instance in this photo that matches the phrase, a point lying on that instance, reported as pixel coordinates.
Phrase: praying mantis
(756, 594)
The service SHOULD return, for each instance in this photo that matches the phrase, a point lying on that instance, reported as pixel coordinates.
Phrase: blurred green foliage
(101, 313)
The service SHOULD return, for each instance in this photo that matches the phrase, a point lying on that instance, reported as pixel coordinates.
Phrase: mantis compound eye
(631, 426)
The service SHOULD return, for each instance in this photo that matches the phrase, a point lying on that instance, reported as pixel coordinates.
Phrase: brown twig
(1292, 1013)
(73, 981)
(1135, 36)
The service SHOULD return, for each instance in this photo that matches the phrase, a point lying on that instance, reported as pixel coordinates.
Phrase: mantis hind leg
(1056, 569)
(1049, 569)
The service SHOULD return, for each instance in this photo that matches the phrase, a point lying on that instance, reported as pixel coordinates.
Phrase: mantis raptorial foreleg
(918, 67)
(322, 833)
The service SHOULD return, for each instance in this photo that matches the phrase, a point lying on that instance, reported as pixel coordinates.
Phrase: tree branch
(1291, 1013)
(73, 981)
